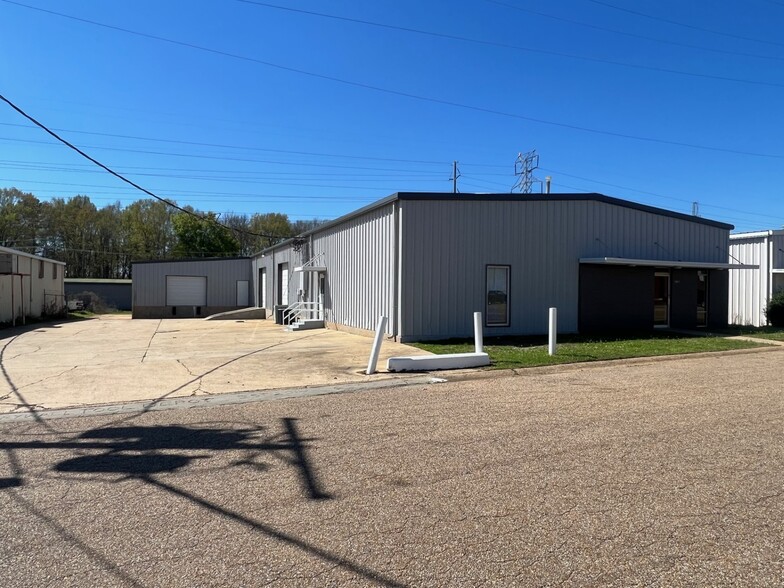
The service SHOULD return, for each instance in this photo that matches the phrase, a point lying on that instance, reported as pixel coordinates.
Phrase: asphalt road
(642, 474)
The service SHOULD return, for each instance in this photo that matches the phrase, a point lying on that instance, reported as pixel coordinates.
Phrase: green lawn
(514, 352)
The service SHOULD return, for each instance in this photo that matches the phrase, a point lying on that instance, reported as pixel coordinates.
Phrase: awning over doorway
(663, 263)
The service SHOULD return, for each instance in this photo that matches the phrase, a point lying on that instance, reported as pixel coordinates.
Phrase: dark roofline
(502, 197)
(189, 259)
(593, 196)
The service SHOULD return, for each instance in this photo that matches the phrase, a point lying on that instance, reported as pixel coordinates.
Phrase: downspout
(21, 291)
(397, 244)
(769, 270)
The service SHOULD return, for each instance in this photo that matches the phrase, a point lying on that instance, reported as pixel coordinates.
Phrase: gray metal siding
(447, 244)
(149, 280)
(271, 261)
(360, 258)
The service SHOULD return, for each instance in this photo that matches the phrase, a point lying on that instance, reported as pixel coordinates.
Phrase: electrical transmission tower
(525, 165)
(455, 175)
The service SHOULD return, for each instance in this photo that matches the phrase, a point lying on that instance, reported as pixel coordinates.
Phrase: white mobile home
(750, 290)
(30, 286)
(429, 260)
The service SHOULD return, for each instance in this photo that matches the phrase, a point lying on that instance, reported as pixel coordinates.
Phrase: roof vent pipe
(547, 181)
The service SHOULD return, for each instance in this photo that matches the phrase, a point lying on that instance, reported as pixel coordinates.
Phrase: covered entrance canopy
(663, 263)
(618, 293)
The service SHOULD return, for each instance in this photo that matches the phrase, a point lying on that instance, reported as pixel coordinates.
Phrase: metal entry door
(661, 299)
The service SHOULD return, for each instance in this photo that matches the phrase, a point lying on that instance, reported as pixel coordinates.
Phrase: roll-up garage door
(186, 290)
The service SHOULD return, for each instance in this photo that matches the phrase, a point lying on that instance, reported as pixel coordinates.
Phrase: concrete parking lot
(116, 359)
(634, 474)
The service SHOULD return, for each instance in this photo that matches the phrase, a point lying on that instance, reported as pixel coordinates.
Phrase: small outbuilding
(750, 290)
(184, 288)
(30, 286)
(429, 260)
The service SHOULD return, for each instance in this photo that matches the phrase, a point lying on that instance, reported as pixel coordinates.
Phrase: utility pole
(455, 175)
(525, 165)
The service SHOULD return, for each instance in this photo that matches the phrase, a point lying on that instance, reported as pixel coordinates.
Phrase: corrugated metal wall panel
(778, 251)
(749, 288)
(447, 244)
(149, 279)
(360, 258)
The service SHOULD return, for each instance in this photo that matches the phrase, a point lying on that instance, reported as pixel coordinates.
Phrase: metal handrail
(294, 312)
(316, 258)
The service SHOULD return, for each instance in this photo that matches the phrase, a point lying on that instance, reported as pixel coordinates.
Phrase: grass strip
(517, 352)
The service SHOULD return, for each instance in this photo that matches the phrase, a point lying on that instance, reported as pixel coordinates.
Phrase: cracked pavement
(651, 474)
(114, 359)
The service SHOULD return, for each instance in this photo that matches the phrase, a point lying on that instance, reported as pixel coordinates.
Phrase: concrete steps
(306, 325)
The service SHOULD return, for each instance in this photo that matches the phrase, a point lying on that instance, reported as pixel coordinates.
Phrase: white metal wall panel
(360, 258)
(447, 243)
(749, 288)
(32, 295)
(186, 290)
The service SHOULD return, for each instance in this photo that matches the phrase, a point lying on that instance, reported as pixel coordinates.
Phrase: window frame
(508, 270)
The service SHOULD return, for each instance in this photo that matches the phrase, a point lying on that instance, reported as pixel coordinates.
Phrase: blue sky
(663, 103)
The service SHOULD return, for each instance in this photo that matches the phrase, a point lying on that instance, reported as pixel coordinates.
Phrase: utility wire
(407, 94)
(635, 35)
(221, 146)
(508, 45)
(195, 156)
(684, 25)
(126, 180)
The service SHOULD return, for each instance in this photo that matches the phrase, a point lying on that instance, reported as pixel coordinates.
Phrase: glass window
(497, 311)
(54, 271)
(40, 269)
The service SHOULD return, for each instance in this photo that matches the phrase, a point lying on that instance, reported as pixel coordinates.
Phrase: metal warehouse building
(429, 260)
(750, 290)
(191, 287)
(30, 286)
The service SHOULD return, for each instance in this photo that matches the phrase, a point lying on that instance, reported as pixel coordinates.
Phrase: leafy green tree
(202, 236)
(273, 225)
(20, 214)
(147, 232)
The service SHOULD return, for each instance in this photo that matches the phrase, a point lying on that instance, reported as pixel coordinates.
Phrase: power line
(508, 45)
(196, 156)
(126, 180)
(684, 25)
(222, 146)
(407, 94)
(635, 35)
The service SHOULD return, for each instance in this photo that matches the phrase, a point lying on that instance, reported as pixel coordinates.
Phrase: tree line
(104, 242)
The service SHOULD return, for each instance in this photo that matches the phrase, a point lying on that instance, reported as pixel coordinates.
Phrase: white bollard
(553, 330)
(478, 343)
(382, 325)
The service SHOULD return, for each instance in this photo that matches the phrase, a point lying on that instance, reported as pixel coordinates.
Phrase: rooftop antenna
(525, 165)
